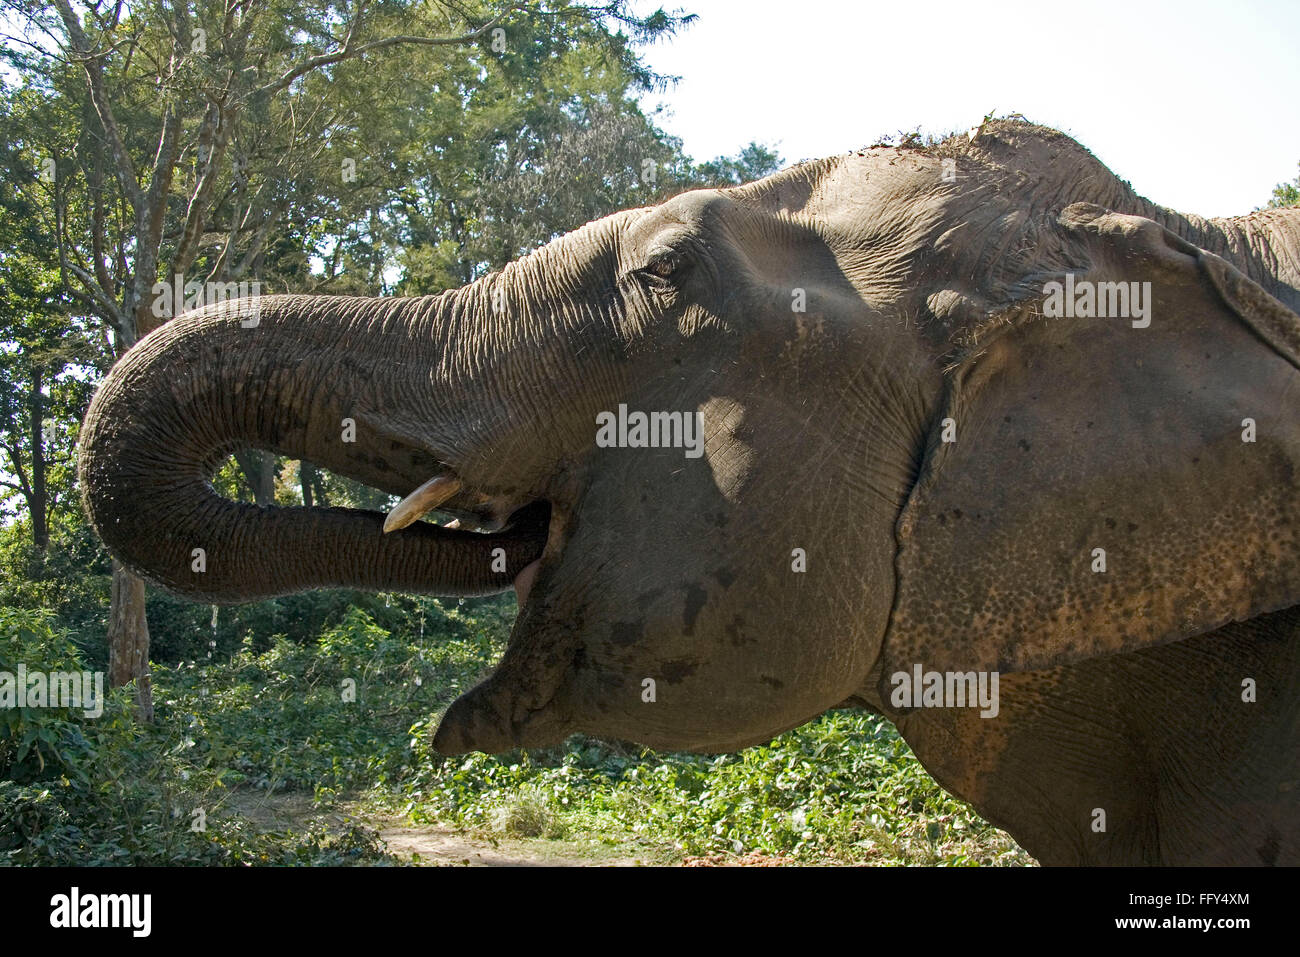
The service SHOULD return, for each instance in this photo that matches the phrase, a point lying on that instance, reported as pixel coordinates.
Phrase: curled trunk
(343, 383)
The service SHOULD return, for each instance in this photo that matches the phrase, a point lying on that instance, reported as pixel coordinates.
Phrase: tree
(753, 162)
(1285, 194)
(546, 174)
(46, 362)
(43, 394)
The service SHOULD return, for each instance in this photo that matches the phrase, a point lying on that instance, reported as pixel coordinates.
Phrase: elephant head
(902, 457)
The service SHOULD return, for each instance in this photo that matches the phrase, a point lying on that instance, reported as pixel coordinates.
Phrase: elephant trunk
(343, 383)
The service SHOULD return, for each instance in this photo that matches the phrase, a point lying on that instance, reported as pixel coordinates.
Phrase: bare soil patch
(433, 845)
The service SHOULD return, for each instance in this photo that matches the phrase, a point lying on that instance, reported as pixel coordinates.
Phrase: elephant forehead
(688, 214)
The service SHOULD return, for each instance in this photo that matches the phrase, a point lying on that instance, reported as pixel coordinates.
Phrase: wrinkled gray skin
(1120, 690)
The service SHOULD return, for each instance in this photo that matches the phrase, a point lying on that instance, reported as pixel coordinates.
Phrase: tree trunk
(259, 470)
(318, 483)
(128, 626)
(128, 640)
(38, 506)
(307, 480)
(313, 485)
(304, 480)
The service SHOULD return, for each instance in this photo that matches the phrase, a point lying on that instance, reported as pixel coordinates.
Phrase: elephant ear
(1108, 484)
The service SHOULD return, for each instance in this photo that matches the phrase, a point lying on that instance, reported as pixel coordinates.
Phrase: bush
(39, 743)
(76, 790)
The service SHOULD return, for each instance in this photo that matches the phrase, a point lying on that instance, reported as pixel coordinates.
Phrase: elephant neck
(1265, 245)
(1268, 243)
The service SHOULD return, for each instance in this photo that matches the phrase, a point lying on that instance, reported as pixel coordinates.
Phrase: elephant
(971, 408)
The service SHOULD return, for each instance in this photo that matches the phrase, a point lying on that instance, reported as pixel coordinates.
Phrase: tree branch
(95, 297)
(348, 52)
(94, 68)
(16, 460)
(214, 138)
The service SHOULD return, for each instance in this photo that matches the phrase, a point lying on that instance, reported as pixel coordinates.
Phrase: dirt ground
(442, 846)
(433, 846)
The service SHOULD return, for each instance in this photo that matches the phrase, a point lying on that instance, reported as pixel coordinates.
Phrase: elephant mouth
(481, 514)
(534, 522)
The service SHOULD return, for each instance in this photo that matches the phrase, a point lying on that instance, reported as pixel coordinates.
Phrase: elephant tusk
(428, 496)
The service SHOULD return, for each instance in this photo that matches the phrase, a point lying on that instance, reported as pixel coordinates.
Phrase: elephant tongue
(524, 580)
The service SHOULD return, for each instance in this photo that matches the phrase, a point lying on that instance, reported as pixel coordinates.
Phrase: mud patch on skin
(734, 633)
(678, 670)
(627, 632)
(647, 598)
(695, 599)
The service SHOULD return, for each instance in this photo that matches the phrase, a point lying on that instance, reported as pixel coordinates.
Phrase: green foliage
(753, 162)
(39, 743)
(281, 720)
(1285, 194)
(76, 790)
(48, 357)
(69, 580)
(845, 788)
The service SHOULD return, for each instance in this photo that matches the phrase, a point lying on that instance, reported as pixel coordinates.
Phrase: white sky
(1196, 103)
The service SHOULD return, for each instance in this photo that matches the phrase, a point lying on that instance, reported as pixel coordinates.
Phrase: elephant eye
(663, 267)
